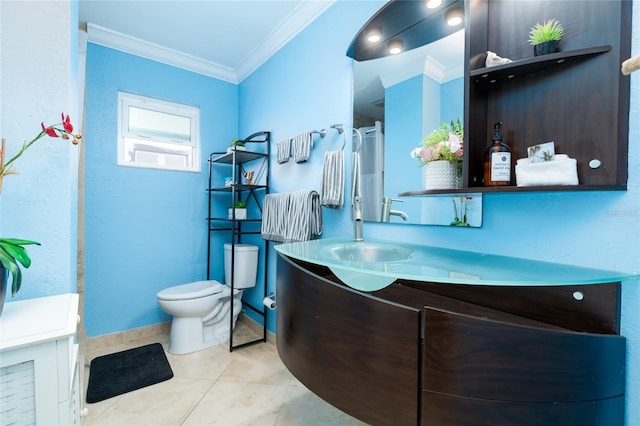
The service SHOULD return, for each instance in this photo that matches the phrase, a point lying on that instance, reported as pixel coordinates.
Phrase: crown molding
(302, 16)
(299, 19)
(135, 46)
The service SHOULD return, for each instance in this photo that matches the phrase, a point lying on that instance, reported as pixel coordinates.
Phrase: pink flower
(66, 122)
(50, 131)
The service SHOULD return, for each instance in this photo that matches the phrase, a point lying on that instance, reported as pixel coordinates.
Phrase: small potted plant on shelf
(240, 208)
(237, 144)
(546, 37)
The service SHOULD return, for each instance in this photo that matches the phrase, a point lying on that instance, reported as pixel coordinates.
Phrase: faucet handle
(388, 200)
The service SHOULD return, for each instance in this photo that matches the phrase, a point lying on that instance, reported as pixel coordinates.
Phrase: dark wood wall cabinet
(421, 353)
(577, 97)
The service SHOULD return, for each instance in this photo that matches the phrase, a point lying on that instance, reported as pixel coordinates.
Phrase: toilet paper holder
(270, 301)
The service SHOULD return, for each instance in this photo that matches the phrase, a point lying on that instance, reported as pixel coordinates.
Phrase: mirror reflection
(398, 100)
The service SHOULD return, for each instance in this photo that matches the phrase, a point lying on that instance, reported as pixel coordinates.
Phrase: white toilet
(201, 310)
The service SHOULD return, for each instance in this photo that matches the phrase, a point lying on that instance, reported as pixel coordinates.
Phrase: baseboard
(98, 343)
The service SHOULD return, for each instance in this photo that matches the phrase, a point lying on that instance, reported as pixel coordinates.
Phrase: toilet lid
(193, 290)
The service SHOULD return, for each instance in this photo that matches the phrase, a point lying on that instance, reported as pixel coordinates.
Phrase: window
(157, 134)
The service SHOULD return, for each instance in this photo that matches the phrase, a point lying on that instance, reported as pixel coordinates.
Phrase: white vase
(440, 175)
(241, 214)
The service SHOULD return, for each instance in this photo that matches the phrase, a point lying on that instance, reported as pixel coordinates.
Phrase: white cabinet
(39, 378)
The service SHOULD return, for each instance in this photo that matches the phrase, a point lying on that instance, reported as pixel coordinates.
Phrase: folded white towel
(561, 171)
(332, 191)
(293, 216)
(302, 145)
(284, 150)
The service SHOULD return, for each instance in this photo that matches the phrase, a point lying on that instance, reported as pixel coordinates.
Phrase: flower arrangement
(12, 252)
(62, 130)
(444, 143)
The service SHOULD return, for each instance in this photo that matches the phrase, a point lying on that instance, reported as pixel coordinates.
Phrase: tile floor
(249, 386)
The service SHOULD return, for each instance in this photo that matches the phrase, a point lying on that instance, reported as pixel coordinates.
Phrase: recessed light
(396, 46)
(454, 16)
(432, 4)
(374, 35)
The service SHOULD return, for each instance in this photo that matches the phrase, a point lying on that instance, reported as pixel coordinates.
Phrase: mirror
(398, 100)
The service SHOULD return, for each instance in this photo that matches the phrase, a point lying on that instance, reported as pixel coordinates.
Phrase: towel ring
(340, 129)
(321, 132)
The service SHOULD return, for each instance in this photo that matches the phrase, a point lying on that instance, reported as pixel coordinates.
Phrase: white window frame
(157, 152)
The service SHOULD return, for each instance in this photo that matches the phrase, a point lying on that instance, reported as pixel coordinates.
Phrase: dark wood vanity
(428, 353)
(531, 348)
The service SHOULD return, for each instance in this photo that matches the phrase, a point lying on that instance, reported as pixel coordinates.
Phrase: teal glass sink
(374, 264)
(365, 251)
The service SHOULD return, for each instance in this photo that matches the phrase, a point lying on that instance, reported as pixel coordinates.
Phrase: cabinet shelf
(520, 68)
(506, 189)
(240, 157)
(238, 187)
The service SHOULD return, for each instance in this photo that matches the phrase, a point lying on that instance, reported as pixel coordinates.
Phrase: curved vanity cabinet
(431, 353)
(356, 351)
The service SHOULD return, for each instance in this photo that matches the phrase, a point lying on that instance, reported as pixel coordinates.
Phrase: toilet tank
(246, 265)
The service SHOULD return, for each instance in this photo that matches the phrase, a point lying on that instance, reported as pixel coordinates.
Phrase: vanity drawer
(475, 357)
(442, 410)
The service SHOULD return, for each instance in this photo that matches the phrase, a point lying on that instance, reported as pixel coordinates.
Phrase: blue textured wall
(145, 229)
(39, 82)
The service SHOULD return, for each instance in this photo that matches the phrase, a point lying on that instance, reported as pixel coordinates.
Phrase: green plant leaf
(18, 241)
(12, 266)
(12, 254)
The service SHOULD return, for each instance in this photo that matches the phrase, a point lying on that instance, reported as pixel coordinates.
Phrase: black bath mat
(125, 371)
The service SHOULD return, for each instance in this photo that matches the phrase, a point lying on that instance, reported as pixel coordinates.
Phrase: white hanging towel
(274, 216)
(304, 220)
(332, 191)
(284, 150)
(293, 216)
(302, 145)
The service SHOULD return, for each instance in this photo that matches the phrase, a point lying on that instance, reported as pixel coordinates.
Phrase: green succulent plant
(12, 255)
(547, 31)
(240, 205)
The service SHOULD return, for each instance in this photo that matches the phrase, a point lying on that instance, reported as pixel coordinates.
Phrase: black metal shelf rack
(235, 159)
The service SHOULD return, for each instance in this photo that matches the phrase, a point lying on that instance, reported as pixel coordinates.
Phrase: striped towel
(302, 145)
(284, 150)
(292, 216)
(333, 180)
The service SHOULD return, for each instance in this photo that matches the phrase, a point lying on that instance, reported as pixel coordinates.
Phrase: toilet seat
(190, 291)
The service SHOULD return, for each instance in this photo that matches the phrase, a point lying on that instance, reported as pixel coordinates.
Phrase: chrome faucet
(356, 192)
(387, 212)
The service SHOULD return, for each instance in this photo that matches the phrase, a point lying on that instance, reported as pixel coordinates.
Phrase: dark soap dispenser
(497, 161)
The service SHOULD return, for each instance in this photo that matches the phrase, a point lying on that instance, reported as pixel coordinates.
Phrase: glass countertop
(373, 264)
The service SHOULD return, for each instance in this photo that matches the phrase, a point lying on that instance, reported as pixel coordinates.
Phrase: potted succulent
(236, 144)
(12, 251)
(240, 208)
(546, 37)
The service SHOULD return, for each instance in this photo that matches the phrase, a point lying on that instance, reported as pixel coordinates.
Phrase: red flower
(51, 131)
(66, 122)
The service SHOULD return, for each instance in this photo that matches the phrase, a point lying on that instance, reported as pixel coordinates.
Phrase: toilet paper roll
(269, 303)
